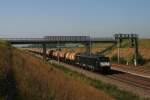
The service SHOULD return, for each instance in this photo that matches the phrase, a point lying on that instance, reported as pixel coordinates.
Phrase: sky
(97, 18)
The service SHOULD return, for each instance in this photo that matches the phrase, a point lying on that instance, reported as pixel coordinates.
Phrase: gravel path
(138, 71)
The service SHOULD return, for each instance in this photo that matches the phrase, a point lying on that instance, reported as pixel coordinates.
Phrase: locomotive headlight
(105, 63)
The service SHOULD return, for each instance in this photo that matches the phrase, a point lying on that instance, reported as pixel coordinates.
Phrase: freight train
(90, 62)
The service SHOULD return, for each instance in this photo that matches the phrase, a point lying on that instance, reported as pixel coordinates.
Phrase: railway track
(138, 71)
(132, 80)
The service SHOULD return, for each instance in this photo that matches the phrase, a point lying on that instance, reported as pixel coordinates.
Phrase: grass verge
(108, 88)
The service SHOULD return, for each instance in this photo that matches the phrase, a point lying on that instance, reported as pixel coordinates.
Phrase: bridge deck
(58, 39)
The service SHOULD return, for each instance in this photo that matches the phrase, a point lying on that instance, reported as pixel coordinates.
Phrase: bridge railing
(67, 38)
(103, 39)
(59, 39)
(26, 39)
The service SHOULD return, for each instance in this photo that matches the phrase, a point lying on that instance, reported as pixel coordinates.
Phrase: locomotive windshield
(105, 59)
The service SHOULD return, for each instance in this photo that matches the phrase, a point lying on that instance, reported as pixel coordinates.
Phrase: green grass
(101, 45)
(108, 88)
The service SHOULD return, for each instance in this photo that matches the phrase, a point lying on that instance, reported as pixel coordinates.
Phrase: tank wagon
(92, 62)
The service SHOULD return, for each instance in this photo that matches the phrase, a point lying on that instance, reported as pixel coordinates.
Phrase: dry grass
(37, 81)
(144, 43)
(128, 52)
(50, 83)
(8, 88)
(124, 52)
(145, 52)
(3, 70)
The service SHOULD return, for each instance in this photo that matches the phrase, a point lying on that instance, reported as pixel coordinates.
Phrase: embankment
(23, 77)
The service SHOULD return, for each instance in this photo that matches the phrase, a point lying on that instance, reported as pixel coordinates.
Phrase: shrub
(147, 65)
(114, 59)
(140, 60)
(123, 60)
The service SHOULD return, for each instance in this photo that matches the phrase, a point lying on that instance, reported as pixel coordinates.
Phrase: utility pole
(90, 47)
(44, 52)
(90, 44)
(136, 51)
(58, 59)
(118, 50)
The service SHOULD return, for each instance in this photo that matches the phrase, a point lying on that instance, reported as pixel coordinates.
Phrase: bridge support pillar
(44, 52)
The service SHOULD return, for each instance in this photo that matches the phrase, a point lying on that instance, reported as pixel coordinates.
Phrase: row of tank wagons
(76, 57)
(65, 56)
(99, 63)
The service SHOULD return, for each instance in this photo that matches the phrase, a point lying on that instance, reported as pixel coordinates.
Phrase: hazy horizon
(38, 18)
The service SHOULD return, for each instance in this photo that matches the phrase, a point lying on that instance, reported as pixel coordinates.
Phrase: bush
(147, 65)
(140, 60)
(114, 58)
(123, 60)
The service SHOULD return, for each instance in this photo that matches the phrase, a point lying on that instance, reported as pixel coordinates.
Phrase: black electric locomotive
(93, 62)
